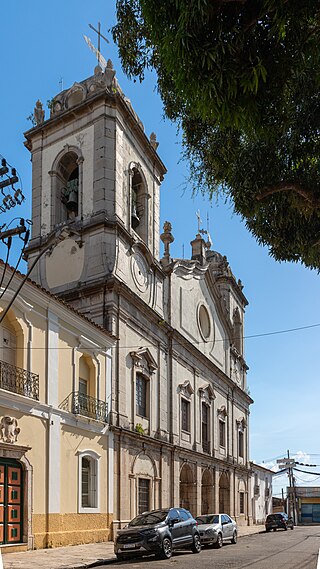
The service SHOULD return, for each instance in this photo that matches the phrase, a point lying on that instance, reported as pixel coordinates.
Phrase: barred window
(141, 395)
(185, 415)
(241, 445)
(222, 433)
(143, 495)
(241, 502)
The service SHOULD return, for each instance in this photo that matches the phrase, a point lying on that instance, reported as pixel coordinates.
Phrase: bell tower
(95, 191)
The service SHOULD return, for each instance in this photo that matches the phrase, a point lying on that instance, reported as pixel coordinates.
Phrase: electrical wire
(26, 238)
(7, 259)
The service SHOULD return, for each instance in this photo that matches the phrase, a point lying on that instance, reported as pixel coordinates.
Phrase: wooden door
(10, 502)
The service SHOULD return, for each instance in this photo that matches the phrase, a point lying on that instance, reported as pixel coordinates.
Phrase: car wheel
(268, 529)
(196, 545)
(219, 541)
(235, 537)
(120, 557)
(274, 529)
(166, 548)
(285, 528)
(292, 527)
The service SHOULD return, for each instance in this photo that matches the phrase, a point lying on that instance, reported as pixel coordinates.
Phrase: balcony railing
(18, 380)
(206, 446)
(80, 404)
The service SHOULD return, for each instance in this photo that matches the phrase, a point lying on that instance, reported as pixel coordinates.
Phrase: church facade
(179, 409)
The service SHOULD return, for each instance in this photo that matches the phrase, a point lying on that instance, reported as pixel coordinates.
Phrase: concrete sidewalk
(78, 556)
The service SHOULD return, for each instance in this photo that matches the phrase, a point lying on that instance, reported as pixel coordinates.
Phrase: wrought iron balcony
(80, 404)
(18, 380)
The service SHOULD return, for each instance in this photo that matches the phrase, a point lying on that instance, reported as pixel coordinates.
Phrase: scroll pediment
(143, 358)
(222, 411)
(186, 389)
(207, 393)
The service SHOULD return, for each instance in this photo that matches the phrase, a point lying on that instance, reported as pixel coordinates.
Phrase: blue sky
(40, 43)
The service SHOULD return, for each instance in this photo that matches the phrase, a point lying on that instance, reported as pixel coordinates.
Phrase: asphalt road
(297, 549)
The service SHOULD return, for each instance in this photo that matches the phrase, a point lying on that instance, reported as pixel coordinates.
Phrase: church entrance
(224, 494)
(187, 489)
(11, 501)
(207, 493)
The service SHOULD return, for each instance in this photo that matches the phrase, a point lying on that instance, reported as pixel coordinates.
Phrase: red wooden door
(10, 502)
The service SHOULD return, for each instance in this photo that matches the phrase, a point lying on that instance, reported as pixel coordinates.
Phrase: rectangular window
(185, 415)
(241, 445)
(222, 433)
(143, 495)
(205, 428)
(241, 502)
(141, 396)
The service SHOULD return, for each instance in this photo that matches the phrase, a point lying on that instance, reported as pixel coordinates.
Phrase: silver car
(215, 529)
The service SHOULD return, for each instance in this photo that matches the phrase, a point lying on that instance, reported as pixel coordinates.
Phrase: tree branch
(289, 187)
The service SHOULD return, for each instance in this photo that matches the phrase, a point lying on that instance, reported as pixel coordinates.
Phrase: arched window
(138, 204)
(8, 342)
(88, 482)
(87, 404)
(66, 188)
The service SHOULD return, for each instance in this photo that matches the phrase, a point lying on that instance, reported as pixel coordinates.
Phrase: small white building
(261, 492)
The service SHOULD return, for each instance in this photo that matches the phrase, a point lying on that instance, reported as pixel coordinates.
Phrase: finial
(166, 238)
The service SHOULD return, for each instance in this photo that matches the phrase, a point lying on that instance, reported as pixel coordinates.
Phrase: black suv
(280, 520)
(158, 532)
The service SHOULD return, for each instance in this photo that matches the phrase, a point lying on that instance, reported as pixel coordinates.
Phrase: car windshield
(275, 517)
(149, 518)
(208, 519)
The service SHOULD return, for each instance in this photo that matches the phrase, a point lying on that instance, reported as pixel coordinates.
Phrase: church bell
(134, 218)
(72, 201)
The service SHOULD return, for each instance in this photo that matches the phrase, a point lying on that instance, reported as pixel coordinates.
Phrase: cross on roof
(98, 32)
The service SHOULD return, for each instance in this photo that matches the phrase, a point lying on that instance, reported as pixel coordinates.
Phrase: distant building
(307, 503)
(261, 492)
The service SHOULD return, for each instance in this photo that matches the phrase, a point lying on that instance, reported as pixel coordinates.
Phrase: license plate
(129, 545)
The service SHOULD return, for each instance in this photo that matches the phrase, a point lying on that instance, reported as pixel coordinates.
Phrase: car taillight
(196, 523)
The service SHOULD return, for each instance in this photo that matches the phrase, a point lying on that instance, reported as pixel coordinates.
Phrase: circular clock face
(139, 272)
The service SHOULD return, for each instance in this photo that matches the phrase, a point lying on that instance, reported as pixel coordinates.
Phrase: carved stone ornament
(144, 360)
(38, 113)
(9, 429)
(241, 424)
(186, 389)
(207, 393)
(222, 411)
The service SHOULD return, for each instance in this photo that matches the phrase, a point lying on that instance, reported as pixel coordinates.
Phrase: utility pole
(293, 493)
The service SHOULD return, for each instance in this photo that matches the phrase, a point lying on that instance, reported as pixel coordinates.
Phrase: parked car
(215, 529)
(158, 532)
(277, 521)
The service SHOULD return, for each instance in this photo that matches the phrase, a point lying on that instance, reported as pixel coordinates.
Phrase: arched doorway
(224, 493)
(207, 492)
(187, 489)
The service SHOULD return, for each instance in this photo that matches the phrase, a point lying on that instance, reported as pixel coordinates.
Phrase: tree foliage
(241, 77)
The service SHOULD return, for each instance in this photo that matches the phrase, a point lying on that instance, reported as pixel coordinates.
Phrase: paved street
(297, 549)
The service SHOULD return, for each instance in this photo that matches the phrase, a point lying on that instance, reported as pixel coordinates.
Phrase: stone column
(233, 493)
(216, 489)
(197, 490)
